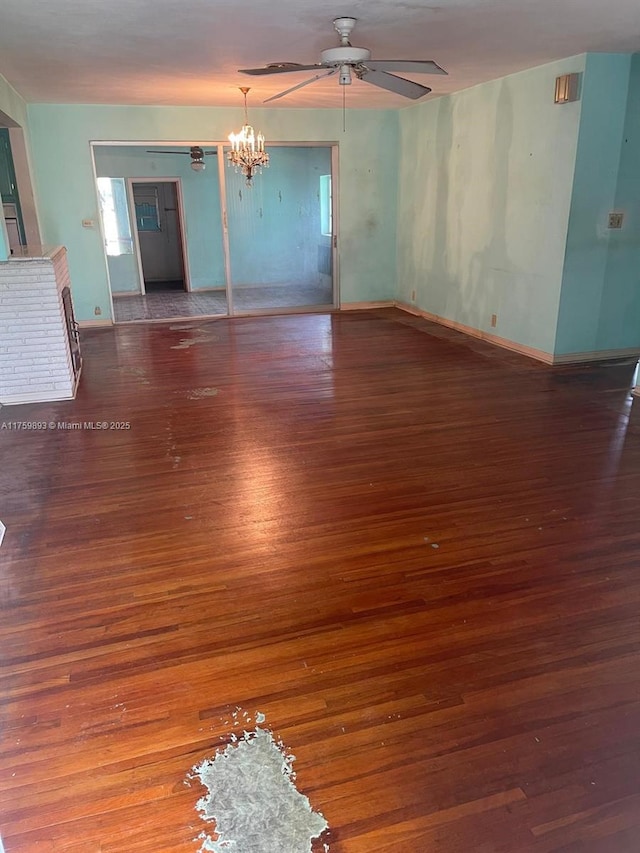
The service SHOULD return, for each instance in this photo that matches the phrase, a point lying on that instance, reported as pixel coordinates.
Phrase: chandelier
(247, 149)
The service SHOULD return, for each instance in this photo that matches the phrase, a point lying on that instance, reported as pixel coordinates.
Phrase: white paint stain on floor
(253, 801)
(198, 336)
(185, 343)
(201, 393)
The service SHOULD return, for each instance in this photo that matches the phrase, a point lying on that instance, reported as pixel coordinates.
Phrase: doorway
(281, 233)
(159, 235)
(267, 248)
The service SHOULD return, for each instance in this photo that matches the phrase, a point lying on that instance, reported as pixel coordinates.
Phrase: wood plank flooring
(417, 555)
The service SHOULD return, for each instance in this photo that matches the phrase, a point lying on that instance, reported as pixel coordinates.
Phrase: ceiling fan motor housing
(336, 56)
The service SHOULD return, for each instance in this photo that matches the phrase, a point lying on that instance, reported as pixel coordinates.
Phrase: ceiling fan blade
(167, 152)
(399, 85)
(279, 68)
(407, 65)
(300, 85)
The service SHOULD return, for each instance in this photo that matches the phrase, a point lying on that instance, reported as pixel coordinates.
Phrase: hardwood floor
(417, 555)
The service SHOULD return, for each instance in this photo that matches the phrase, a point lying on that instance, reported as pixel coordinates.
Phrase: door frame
(181, 227)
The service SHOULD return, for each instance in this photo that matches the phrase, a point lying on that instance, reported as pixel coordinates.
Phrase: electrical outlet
(616, 219)
(97, 311)
(494, 320)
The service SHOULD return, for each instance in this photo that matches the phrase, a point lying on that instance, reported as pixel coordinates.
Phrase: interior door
(280, 232)
(159, 235)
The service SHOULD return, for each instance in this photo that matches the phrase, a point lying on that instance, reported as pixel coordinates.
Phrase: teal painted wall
(484, 193)
(619, 322)
(605, 92)
(60, 136)
(201, 199)
(274, 227)
(4, 239)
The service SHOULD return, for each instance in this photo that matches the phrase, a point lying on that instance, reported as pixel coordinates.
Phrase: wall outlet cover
(616, 219)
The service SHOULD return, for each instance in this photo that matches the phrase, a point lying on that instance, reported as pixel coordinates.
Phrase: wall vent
(567, 88)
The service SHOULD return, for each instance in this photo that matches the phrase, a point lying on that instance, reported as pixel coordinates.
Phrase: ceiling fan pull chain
(344, 109)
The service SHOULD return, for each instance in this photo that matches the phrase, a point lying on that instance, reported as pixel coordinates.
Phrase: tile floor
(170, 305)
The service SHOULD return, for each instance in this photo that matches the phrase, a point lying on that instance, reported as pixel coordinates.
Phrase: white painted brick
(36, 361)
(30, 297)
(42, 371)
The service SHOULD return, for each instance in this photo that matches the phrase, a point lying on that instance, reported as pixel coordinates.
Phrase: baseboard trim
(478, 334)
(366, 306)
(504, 343)
(530, 352)
(92, 324)
(598, 355)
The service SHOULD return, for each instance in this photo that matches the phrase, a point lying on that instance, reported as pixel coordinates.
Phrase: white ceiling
(188, 53)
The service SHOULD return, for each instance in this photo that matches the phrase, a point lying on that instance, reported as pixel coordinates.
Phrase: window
(146, 204)
(326, 215)
(115, 216)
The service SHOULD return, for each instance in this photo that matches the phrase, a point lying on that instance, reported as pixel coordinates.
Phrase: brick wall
(35, 361)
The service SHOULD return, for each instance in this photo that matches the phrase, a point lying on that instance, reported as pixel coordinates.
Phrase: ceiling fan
(196, 153)
(347, 60)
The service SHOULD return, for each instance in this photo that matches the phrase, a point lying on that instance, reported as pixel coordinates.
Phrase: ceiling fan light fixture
(247, 152)
(198, 165)
(345, 75)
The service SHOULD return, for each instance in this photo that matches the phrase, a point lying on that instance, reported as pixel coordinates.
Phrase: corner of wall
(604, 95)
